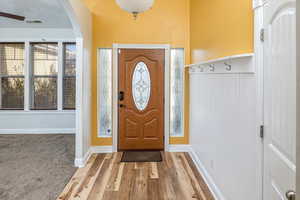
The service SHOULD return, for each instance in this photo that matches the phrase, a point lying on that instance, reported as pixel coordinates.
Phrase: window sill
(37, 112)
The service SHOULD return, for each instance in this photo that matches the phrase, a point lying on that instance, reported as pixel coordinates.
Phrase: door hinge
(262, 35)
(262, 132)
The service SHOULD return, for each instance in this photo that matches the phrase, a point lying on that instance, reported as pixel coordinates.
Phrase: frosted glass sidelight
(176, 92)
(141, 86)
(105, 92)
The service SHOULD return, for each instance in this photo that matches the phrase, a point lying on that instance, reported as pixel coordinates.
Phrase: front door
(280, 99)
(141, 99)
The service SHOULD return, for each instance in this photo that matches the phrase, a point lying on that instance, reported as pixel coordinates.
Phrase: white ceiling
(50, 12)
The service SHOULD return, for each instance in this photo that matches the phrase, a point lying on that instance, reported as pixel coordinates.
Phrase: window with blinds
(44, 76)
(12, 76)
(69, 77)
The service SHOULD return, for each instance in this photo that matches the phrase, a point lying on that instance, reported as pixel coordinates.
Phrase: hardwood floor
(106, 178)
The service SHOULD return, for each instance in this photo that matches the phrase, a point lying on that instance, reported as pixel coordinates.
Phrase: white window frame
(63, 75)
(28, 75)
(12, 76)
(58, 76)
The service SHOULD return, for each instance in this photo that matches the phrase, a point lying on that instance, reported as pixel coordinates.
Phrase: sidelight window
(141, 85)
(177, 92)
(105, 92)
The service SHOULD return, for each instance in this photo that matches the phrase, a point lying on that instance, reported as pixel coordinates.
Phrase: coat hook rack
(228, 66)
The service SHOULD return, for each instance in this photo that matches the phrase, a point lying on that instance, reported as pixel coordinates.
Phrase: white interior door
(279, 99)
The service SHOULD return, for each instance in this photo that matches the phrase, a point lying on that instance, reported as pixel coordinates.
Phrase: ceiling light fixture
(135, 6)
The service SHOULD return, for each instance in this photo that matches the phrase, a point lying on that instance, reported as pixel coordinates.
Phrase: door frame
(258, 10)
(115, 90)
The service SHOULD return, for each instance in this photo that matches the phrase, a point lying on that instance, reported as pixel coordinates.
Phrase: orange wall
(166, 23)
(220, 28)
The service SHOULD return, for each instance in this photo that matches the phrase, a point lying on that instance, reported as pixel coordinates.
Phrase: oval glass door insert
(141, 86)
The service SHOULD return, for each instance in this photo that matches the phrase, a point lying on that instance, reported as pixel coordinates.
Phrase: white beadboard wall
(223, 131)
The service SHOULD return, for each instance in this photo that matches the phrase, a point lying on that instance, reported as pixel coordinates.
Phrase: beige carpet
(35, 167)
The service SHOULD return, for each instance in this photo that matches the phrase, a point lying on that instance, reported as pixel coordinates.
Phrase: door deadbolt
(122, 106)
(121, 96)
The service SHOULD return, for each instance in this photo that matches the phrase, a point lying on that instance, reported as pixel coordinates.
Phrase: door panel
(279, 99)
(141, 112)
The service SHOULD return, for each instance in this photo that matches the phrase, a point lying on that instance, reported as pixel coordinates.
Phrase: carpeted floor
(35, 167)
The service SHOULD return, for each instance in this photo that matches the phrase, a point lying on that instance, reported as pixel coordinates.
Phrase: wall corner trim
(81, 162)
(258, 4)
(206, 176)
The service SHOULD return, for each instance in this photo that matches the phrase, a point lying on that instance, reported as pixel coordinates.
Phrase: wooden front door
(141, 99)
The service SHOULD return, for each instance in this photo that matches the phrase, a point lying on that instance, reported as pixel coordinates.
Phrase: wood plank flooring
(106, 178)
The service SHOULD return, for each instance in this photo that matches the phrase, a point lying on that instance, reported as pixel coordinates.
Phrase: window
(69, 80)
(105, 92)
(45, 69)
(176, 92)
(141, 86)
(37, 76)
(12, 76)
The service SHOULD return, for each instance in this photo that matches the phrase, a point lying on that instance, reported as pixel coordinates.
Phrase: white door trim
(259, 70)
(115, 89)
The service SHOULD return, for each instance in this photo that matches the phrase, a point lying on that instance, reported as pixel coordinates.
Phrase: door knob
(290, 195)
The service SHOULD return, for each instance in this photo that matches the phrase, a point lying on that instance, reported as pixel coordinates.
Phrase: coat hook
(192, 69)
(201, 69)
(228, 66)
(212, 67)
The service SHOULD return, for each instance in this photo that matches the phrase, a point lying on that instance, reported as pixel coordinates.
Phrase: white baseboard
(81, 162)
(206, 176)
(38, 131)
(109, 149)
(101, 149)
(179, 148)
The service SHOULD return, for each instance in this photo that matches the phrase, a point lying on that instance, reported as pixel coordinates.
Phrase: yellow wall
(220, 28)
(166, 23)
(205, 28)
